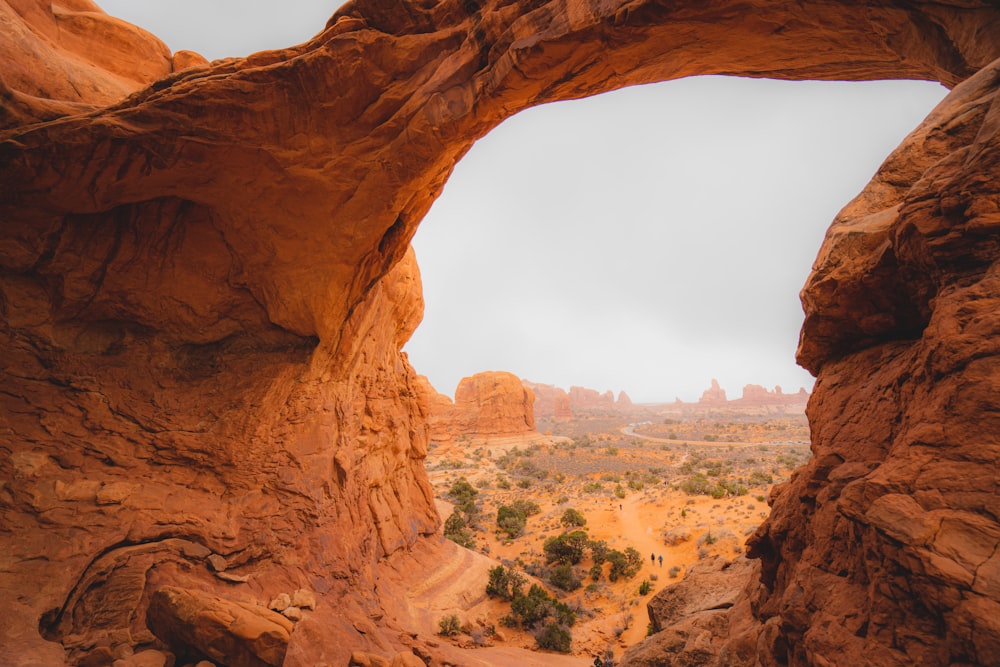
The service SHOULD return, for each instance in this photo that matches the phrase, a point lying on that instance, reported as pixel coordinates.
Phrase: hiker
(661, 560)
(652, 557)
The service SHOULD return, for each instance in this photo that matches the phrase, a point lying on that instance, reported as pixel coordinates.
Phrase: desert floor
(641, 480)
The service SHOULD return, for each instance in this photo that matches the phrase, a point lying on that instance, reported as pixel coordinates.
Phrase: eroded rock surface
(205, 287)
(493, 404)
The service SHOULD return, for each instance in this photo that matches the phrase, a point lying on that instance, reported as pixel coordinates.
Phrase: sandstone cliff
(493, 404)
(205, 286)
(550, 401)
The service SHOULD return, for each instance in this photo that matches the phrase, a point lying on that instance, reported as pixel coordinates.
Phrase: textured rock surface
(690, 617)
(237, 634)
(493, 404)
(205, 288)
(885, 546)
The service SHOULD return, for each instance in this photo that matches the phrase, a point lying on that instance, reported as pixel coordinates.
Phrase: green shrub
(456, 530)
(532, 608)
(564, 576)
(592, 487)
(567, 548)
(463, 493)
(624, 565)
(449, 626)
(554, 637)
(572, 517)
(512, 518)
(645, 587)
(504, 583)
(526, 507)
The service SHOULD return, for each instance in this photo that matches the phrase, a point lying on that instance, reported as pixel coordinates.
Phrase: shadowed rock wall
(205, 287)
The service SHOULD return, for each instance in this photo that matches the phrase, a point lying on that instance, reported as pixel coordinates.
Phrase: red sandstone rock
(550, 401)
(714, 395)
(755, 395)
(230, 633)
(487, 405)
(690, 618)
(582, 398)
(205, 289)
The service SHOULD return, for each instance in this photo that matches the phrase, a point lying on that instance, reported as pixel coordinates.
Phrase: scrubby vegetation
(550, 501)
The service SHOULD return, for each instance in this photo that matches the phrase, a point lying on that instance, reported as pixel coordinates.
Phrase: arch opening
(651, 238)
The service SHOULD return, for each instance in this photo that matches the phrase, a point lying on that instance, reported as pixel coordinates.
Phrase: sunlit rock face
(490, 404)
(205, 285)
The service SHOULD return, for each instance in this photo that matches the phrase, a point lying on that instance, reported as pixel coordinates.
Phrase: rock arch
(206, 285)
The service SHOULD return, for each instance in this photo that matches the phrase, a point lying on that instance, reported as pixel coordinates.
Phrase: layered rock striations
(205, 285)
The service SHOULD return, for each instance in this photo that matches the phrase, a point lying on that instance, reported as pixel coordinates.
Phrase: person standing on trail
(661, 560)
(652, 557)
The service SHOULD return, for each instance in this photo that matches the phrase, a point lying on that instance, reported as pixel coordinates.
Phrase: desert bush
(554, 637)
(645, 587)
(676, 535)
(526, 507)
(449, 626)
(567, 548)
(463, 493)
(524, 483)
(572, 517)
(564, 576)
(624, 565)
(674, 571)
(592, 487)
(512, 519)
(456, 530)
(504, 583)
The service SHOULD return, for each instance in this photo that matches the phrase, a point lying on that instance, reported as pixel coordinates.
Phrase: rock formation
(205, 285)
(550, 401)
(623, 402)
(714, 395)
(493, 404)
(582, 398)
(754, 395)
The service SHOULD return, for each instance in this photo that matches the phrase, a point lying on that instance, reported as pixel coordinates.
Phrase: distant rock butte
(206, 284)
(550, 401)
(492, 404)
(714, 395)
(754, 396)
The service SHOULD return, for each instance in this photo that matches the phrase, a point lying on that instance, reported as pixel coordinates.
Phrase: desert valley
(214, 450)
(684, 482)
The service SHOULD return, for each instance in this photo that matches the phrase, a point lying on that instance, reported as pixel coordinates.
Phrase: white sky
(648, 239)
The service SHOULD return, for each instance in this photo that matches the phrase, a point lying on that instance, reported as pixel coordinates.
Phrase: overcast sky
(649, 239)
